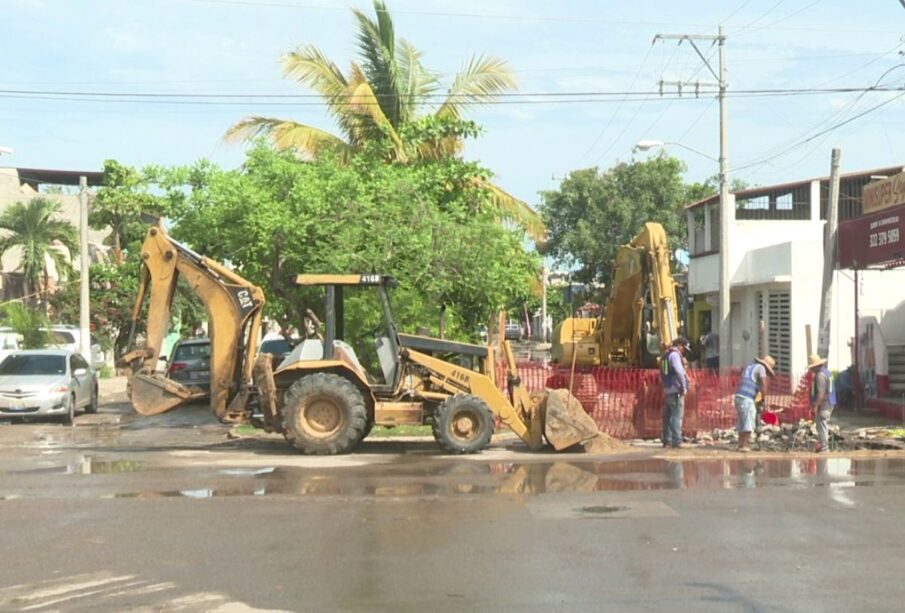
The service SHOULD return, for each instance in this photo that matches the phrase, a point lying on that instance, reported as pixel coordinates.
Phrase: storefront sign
(884, 194)
(872, 240)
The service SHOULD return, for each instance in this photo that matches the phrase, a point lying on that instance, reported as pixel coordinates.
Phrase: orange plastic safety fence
(628, 402)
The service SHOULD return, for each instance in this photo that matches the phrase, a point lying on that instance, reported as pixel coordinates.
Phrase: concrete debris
(770, 437)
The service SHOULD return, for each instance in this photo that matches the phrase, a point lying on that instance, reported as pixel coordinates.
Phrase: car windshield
(62, 338)
(194, 351)
(34, 365)
(277, 346)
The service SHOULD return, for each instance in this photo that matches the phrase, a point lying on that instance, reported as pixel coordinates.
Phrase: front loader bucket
(566, 423)
(153, 395)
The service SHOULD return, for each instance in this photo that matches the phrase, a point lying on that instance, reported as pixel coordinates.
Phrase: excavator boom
(234, 307)
(641, 314)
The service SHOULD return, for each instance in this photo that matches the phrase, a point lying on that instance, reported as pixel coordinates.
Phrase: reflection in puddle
(471, 477)
(87, 465)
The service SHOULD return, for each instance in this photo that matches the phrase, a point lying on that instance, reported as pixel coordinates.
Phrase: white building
(776, 262)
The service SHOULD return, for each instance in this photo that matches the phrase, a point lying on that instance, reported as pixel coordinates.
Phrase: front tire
(324, 414)
(69, 417)
(463, 424)
(92, 403)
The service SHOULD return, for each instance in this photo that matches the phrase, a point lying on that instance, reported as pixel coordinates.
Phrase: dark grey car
(190, 363)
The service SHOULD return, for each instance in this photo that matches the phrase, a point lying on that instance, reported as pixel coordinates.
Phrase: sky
(574, 61)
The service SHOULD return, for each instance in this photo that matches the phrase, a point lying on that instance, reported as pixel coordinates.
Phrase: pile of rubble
(785, 437)
(877, 438)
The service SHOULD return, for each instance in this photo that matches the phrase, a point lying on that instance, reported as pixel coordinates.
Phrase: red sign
(873, 239)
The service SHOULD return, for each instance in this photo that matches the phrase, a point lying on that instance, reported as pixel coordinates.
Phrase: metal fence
(627, 403)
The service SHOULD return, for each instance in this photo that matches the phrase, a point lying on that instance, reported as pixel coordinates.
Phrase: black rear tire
(324, 414)
(463, 424)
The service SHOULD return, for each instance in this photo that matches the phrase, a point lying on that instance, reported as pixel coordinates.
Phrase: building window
(785, 202)
(758, 203)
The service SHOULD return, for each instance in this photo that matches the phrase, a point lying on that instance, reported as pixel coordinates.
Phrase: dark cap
(680, 341)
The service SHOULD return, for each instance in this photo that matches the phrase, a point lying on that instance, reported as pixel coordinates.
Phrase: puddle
(598, 510)
(445, 479)
(86, 465)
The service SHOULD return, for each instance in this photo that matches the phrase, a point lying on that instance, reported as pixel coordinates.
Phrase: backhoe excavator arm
(234, 307)
(642, 280)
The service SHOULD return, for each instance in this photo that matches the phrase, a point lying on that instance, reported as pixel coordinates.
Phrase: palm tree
(388, 89)
(32, 229)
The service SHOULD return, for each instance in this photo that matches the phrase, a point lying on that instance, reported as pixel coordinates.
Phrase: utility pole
(543, 305)
(829, 257)
(727, 208)
(84, 319)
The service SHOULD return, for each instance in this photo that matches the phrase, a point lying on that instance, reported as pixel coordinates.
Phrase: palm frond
(32, 228)
(415, 82)
(510, 208)
(377, 46)
(309, 66)
(366, 105)
(287, 134)
(481, 79)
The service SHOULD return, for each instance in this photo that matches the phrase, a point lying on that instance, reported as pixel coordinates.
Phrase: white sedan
(52, 382)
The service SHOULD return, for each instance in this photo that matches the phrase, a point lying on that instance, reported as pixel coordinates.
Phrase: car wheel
(92, 404)
(69, 417)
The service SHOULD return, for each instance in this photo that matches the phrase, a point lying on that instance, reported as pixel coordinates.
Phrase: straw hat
(815, 360)
(769, 363)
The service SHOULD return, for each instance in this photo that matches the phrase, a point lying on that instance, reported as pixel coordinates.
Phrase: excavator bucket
(152, 395)
(566, 423)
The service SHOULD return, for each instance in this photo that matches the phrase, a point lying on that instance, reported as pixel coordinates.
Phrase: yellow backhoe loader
(320, 397)
(641, 314)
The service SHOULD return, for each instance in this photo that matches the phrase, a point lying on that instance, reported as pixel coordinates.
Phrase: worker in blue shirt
(675, 385)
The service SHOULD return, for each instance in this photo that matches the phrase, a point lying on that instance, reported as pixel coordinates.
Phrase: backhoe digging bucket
(153, 395)
(566, 423)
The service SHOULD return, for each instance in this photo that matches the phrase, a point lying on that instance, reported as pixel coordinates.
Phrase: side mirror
(80, 372)
(164, 358)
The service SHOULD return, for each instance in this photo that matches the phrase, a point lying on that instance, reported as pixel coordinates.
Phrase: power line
(352, 99)
(825, 131)
(517, 17)
(615, 112)
(525, 99)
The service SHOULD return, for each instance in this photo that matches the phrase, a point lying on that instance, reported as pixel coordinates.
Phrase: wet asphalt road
(128, 513)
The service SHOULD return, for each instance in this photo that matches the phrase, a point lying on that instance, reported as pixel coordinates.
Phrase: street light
(647, 145)
(727, 215)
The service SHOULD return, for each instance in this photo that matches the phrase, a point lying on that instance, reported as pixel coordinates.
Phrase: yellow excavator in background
(320, 397)
(641, 314)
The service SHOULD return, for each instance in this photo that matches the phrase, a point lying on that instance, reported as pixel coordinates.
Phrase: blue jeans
(673, 413)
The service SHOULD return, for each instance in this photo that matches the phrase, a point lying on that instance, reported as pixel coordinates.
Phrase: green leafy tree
(31, 324)
(428, 223)
(382, 93)
(120, 202)
(594, 212)
(32, 229)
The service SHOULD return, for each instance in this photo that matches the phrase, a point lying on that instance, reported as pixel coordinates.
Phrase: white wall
(882, 299)
(704, 274)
